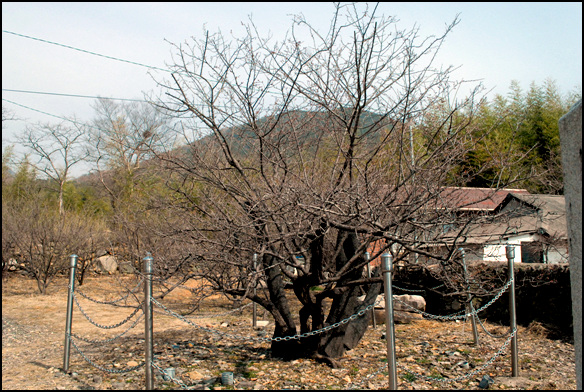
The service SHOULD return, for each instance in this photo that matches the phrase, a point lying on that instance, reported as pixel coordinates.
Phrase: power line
(84, 51)
(48, 114)
(72, 95)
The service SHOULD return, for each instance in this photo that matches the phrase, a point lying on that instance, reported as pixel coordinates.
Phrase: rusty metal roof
(474, 199)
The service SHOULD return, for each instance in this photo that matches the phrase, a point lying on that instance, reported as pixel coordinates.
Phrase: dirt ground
(33, 334)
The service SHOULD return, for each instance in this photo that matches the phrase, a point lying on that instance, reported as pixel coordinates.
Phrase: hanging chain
(489, 333)
(173, 379)
(110, 339)
(110, 302)
(407, 290)
(458, 315)
(360, 313)
(138, 308)
(468, 375)
(199, 316)
(115, 371)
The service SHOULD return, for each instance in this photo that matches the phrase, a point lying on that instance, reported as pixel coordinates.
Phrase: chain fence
(210, 315)
(468, 375)
(489, 333)
(360, 313)
(354, 316)
(112, 338)
(462, 314)
(95, 365)
(136, 310)
(134, 290)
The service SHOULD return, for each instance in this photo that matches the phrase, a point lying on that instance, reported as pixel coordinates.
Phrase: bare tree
(306, 152)
(43, 240)
(56, 148)
(124, 136)
(92, 237)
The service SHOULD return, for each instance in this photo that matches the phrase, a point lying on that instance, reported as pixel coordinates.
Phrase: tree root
(326, 360)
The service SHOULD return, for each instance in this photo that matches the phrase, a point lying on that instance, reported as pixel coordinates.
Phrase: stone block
(571, 145)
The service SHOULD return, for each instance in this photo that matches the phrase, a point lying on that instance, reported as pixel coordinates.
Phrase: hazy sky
(494, 42)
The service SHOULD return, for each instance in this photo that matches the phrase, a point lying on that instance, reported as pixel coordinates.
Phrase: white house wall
(498, 251)
(556, 254)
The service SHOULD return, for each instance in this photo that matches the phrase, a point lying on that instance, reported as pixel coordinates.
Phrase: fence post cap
(148, 263)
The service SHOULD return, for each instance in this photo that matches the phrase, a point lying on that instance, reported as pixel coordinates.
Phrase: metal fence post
(374, 322)
(254, 320)
(389, 324)
(69, 318)
(469, 307)
(510, 251)
(148, 320)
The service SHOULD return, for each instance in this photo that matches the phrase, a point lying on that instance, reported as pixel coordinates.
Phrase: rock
(194, 375)
(118, 385)
(401, 314)
(97, 379)
(126, 267)
(132, 363)
(415, 301)
(462, 364)
(262, 323)
(379, 317)
(107, 263)
(399, 317)
(519, 382)
(210, 381)
(246, 385)
(406, 317)
(486, 382)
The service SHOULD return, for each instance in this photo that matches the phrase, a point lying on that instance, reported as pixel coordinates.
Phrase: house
(499, 217)
(534, 223)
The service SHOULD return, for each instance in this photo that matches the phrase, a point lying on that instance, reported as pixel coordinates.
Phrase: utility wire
(85, 51)
(72, 95)
(48, 114)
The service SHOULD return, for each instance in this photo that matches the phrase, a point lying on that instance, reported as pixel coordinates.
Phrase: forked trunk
(332, 344)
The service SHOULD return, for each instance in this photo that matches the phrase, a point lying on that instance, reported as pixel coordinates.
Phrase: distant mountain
(302, 129)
